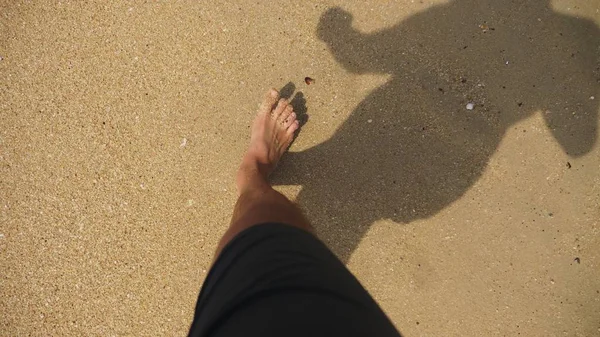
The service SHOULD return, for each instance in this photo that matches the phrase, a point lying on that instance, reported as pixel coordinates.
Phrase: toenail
(273, 92)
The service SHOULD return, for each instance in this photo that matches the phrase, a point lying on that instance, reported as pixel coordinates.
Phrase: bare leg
(272, 132)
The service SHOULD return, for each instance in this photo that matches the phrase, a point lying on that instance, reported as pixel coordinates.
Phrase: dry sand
(121, 127)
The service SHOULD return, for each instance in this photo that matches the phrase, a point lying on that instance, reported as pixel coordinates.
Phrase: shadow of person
(411, 147)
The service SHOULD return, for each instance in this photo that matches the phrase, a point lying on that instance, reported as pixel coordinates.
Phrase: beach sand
(122, 126)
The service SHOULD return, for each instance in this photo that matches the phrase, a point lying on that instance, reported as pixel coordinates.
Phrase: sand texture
(449, 156)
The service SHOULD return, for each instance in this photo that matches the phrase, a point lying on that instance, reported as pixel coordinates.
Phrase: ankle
(251, 176)
(253, 186)
(252, 163)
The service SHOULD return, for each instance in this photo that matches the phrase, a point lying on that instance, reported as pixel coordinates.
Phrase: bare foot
(272, 133)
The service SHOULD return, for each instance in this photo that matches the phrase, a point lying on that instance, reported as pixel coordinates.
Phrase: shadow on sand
(423, 149)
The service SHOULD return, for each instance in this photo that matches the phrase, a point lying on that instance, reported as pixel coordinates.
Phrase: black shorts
(278, 280)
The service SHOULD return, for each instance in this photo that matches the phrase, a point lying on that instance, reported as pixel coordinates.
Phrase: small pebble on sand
(470, 106)
(183, 142)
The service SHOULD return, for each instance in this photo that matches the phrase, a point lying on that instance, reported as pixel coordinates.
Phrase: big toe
(271, 97)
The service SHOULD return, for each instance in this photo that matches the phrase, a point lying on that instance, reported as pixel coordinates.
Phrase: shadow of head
(411, 148)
